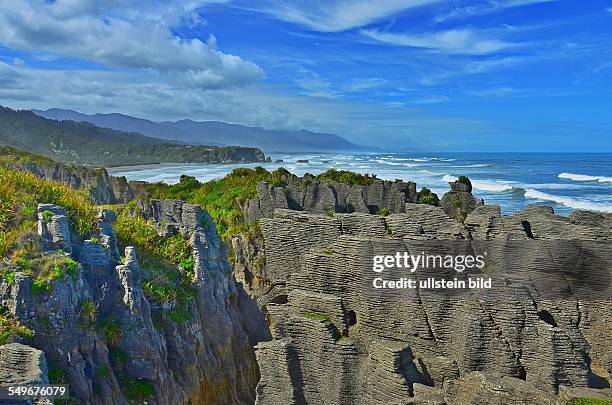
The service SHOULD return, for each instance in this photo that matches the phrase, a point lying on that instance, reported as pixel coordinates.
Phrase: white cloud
(314, 85)
(147, 96)
(495, 92)
(141, 37)
(457, 41)
(431, 100)
(486, 8)
(335, 15)
(357, 85)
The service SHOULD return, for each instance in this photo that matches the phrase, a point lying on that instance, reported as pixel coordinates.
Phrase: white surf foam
(494, 186)
(474, 165)
(585, 177)
(484, 185)
(567, 201)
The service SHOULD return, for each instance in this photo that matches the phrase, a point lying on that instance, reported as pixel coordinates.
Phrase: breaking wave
(585, 177)
(487, 185)
(567, 201)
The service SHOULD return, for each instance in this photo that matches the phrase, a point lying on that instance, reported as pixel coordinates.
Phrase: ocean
(512, 180)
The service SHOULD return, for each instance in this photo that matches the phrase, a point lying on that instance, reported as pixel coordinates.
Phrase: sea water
(512, 180)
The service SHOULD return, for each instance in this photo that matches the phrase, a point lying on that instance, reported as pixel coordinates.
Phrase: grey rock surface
(459, 201)
(337, 340)
(53, 227)
(22, 365)
(206, 358)
(330, 196)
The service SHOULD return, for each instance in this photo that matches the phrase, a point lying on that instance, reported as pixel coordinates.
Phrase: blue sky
(494, 75)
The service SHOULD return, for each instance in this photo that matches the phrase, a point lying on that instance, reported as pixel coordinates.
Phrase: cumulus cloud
(141, 37)
(335, 15)
(456, 41)
(147, 96)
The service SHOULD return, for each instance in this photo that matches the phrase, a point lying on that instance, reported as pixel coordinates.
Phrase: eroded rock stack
(98, 325)
(459, 201)
(330, 196)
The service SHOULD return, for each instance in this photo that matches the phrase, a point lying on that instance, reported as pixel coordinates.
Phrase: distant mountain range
(87, 144)
(215, 133)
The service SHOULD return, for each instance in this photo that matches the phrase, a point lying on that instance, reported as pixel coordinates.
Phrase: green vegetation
(19, 194)
(118, 357)
(9, 277)
(590, 401)
(317, 316)
(383, 211)
(347, 177)
(427, 200)
(58, 375)
(223, 198)
(84, 143)
(88, 311)
(47, 216)
(162, 280)
(179, 316)
(103, 372)
(135, 390)
(13, 157)
(426, 196)
(464, 179)
(112, 331)
(10, 327)
(42, 268)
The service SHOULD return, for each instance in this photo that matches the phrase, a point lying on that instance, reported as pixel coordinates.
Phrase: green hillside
(87, 144)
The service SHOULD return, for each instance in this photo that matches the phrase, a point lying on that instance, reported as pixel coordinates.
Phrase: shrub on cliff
(19, 195)
(10, 328)
(222, 197)
(426, 196)
(161, 279)
(346, 177)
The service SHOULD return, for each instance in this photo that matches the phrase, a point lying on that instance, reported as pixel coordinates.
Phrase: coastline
(512, 180)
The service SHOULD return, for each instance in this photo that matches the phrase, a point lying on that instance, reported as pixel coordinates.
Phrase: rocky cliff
(337, 340)
(321, 196)
(303, 324)
(310, 195)
(104, 337)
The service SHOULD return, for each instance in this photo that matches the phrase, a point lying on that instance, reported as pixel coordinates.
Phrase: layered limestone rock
(53, 227)
(103, 188)
(99, 326)
(336, 339)
(330, 196)
(459, 201)
(22, 364)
